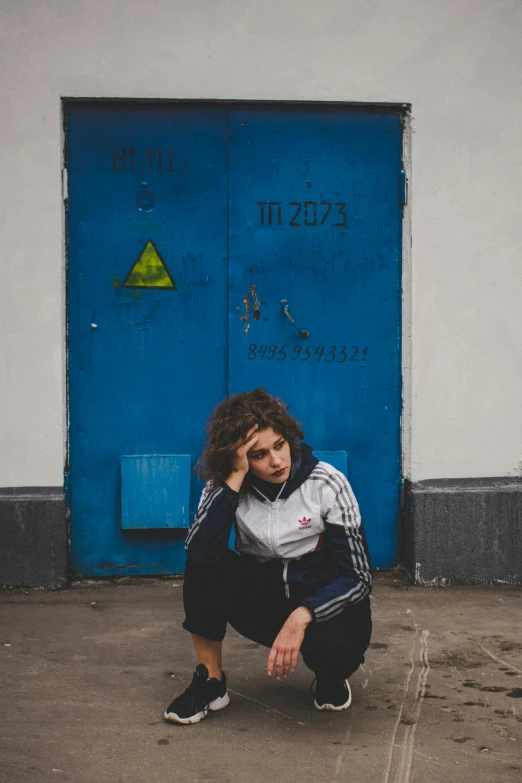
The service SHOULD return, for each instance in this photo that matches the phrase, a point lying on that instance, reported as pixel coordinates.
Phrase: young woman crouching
(299, 580)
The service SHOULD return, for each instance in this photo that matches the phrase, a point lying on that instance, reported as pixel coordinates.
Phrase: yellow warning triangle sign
(149, 271)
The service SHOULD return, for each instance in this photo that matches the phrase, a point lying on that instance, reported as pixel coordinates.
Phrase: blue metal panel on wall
(155, 491)
(315, 234)
(215, 248)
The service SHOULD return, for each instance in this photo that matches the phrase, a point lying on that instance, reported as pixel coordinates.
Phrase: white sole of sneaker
(217, 704)
(173, 718)
(331, 707)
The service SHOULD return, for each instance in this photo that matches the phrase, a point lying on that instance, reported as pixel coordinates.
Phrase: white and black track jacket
(311, 533)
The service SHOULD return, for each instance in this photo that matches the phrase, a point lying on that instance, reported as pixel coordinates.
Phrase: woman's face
(269, 458)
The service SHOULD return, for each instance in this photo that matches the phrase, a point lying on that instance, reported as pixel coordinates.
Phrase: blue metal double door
(212, 249)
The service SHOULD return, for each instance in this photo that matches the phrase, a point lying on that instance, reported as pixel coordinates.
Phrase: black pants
(238, 590)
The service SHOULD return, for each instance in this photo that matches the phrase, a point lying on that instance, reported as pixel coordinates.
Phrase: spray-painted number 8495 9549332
(327, 354)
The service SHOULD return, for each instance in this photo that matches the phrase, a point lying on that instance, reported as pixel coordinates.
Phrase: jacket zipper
(273, 516)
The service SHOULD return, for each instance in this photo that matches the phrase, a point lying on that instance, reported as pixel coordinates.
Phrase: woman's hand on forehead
(239, 459)
(251, 432)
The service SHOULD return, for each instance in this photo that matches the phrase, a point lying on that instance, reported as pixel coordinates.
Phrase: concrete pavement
(86, 673)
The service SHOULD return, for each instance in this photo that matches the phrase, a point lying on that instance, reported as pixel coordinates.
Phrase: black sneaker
(332, 695)
(201, 696)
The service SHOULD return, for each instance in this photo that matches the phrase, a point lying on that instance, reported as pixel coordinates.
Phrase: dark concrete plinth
(33, 537)
(464, 530)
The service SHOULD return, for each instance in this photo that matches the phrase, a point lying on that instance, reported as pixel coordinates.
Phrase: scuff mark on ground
(402, 760)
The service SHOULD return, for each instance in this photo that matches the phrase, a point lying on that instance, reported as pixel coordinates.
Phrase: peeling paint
(246, 315)
(257, 303)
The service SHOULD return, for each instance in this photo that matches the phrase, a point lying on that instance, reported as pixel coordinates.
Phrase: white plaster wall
(458, 62)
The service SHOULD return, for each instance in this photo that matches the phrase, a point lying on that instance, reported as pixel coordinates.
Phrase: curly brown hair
(229, 423)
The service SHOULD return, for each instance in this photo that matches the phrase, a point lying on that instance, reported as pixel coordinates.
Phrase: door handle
(302, 332)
